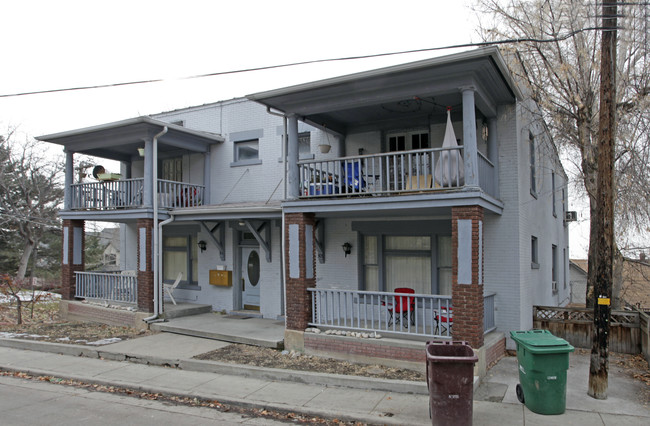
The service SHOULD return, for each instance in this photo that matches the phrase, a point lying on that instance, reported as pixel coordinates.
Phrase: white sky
(60, 44)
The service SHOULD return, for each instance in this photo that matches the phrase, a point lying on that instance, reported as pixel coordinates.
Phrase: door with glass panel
(250, 276)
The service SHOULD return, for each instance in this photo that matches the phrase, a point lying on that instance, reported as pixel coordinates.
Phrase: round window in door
(253, 268)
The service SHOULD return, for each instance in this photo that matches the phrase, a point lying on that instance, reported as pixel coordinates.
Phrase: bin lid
(541, 341)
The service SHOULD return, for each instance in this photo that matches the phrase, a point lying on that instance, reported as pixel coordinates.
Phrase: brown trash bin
(450, 379)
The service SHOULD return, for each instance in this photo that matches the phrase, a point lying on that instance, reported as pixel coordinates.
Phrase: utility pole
(599, 366)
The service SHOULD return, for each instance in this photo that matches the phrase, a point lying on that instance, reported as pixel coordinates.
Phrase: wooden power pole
(599, 366)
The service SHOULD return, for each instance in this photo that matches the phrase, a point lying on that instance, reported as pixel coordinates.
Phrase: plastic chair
(444, 319)
(169, 288)
(403, 308)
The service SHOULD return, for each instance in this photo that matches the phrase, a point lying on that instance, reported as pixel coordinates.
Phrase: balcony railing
(119, 287)
(107, 195)
(129, 193)
(367, 311)
(391, 173)
(172, 195)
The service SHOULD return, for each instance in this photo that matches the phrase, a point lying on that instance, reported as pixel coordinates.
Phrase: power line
(316, 61)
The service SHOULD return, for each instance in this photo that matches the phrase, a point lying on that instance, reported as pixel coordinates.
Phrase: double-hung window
(180, 255)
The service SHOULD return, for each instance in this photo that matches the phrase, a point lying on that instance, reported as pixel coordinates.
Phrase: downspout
(156, 263)
(284, 197)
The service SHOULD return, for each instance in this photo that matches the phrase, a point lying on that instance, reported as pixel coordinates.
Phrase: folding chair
(169, 288)
(403, 308)
(444, 319)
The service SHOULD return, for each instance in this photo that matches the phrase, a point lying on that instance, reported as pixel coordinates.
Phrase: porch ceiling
(120, 140)
(413, 92)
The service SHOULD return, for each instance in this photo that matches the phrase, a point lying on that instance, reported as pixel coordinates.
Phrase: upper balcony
(394, 118)
(143, 146)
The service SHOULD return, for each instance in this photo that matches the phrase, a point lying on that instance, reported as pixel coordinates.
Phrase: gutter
(157, 286)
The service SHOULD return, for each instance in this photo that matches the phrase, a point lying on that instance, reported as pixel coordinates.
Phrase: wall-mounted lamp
(202, 245)
(347, 248)
(141, 152)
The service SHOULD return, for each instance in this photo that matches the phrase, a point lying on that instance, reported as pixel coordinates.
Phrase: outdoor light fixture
(347, 248)
(202, 245)
(141, 152)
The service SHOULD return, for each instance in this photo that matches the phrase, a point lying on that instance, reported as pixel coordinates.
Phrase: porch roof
(382, 98)
(120, 140)
(234, 211)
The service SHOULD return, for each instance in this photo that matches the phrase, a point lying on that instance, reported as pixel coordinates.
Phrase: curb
(296, 376)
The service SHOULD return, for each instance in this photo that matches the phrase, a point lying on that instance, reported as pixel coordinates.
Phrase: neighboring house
(325, 236)
(578, 281)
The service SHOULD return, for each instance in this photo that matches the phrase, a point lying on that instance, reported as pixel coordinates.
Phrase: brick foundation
(467, 298)
(362, 347)
(298, 301)
(145, 278)
(68, 280)
(86, 312)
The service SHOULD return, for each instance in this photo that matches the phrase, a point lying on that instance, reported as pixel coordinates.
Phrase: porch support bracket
(265, 244)
(320, 240)
(221, 229)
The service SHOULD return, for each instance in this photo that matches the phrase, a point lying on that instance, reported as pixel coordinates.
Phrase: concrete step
(185, 310)
(227, 328)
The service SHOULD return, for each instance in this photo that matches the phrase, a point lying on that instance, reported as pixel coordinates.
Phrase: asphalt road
(29, 402)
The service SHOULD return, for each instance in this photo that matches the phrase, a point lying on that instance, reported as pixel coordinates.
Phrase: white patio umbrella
(450, 169)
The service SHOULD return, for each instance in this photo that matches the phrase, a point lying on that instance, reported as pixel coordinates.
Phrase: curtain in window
(444, 265)
(408, 271)
(370, 263)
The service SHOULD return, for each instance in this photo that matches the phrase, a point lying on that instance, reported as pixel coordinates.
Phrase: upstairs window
(534, 253)
(408, 141)
(172, 169)
(554, 270)
(553, 192)
(247, 152)
(533, 181)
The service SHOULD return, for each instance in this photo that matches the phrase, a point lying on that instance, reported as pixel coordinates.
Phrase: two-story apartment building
(324, 202)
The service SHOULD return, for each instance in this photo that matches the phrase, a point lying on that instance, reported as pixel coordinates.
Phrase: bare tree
(30, 193)
(558, 63)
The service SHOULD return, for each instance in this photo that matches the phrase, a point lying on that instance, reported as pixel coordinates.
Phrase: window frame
(554, 269)
(533, 165)
(236, 153)
(408, 140)
(190, 282)
(553, 192)
(534, 252)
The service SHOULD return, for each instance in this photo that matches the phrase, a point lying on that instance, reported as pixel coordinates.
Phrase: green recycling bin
(543, 363)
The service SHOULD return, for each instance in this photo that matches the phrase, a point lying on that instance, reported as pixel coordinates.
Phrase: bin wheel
(520, 393)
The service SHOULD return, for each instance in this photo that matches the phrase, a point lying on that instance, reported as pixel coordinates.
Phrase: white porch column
(206, 177)
(69, 177)
(469, 138)
(293, 183)
(493, 150)
(148, 173)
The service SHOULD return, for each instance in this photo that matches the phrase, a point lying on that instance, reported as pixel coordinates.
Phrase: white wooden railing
(109, 286)
(129, 193)
(369, 311)
(172, 195)
(486, 175)
(106, 195)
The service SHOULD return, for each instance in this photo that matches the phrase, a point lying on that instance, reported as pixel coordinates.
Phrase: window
(553, 192)
(564, 263)
(172, 169)
(247, 152)
(534, 258)
(371, 263)
(554, 268)
(407, 262)
(304, 144)
(110, 259)
(180, 255)
(444, 265)
(408, 141)
(533, 182)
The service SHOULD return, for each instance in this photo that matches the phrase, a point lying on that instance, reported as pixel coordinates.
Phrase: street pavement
(144, 364)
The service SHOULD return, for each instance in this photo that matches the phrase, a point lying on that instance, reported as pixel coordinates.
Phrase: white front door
(250, 274)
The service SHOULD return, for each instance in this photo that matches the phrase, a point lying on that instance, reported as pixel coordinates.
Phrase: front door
(250, 276)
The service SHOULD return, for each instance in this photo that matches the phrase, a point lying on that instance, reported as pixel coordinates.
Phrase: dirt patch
(45, 324)
(271, 358)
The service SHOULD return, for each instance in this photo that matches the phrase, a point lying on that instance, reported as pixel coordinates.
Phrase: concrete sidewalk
(352, 398)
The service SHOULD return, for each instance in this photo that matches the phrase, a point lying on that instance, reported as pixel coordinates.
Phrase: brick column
(300, 268)
(145, 265)
(73, 256)
(467, 274)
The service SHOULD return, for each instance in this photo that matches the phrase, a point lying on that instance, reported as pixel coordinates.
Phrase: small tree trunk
(24, 259)
(19, 309)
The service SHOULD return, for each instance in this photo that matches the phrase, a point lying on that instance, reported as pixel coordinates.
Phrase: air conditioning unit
(570, 216)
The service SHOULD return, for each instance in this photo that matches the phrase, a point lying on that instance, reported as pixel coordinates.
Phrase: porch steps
(184, 310)
(228, 328)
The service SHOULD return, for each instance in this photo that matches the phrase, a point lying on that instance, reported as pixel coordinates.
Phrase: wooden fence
(575, 325)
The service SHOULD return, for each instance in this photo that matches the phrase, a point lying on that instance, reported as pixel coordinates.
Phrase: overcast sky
(64, 44)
